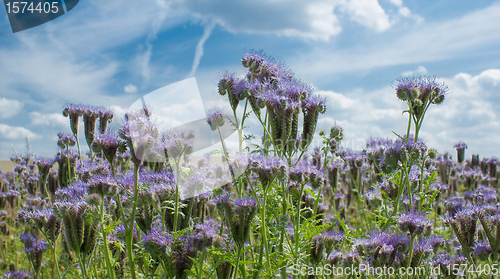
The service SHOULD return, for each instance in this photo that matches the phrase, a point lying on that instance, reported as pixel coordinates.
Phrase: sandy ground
(7, 166)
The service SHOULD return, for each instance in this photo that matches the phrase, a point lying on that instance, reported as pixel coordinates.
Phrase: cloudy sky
(110, 53)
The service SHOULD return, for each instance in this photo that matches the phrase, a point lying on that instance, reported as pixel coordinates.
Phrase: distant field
(7, 166)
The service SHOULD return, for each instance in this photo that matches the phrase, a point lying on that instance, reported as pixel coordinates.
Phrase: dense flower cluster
(140, 204)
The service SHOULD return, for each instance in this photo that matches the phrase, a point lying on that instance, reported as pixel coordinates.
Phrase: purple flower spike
(105, 117)
(74, 112)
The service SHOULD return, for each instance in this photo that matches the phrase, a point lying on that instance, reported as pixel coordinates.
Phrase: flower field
(138, 205)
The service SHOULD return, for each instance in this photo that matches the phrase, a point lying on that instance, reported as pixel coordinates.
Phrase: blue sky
(110, 53)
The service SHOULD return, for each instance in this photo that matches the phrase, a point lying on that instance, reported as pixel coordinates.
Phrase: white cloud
(54, 75)
(363, 114)
(199, 48)
(314, 20)
(9, 108)
(130, 88)
(470, 113)
(368, 13)
(307, 19)
(49, 119)
(16, 133)
(434, 41)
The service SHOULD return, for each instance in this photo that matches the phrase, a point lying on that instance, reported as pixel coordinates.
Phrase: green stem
(400, 192)
(200, 270)
(130, 229)
(82, 265)
(409, 120)
(297, 221)
(237, 262)
(411, 253)
(263, 230)
(54, 255)
(109, 266)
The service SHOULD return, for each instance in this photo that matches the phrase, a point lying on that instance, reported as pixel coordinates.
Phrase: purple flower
(423, 88)
(435, 241)
(264, 68)
(105, 117)
(65, 141)
(204, 234)
(215, 118)
(89, 169)
(267, 168)
(157, 242)
(183, 253)
(415, 223)
(90, 115)
(34, 250)
(482, 250)
(109, 144)
(460, 145)
(143, 137)
(44, 165)
(16, 275)
(421, 250)
(239, 215)
(102, 185)
(306, 171)
(74, 112)
(73, 193)
(236, 89)
(44, 220)
(178, 143)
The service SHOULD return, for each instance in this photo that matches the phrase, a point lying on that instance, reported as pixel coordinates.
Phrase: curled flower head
(178, 143)
(65, 140)
(268, 168)
(239, 214)
(205, 233)
(73, 112)
(44, 219)
(414, 223)
(157, 242)
(102, 185)
(109, 144)
(460, 145)
(482, 250)
(265, 68)
(423, 88)
(105, 117)
(143, 137)
(215, 118)
(44, 165)
(34, 250)
(90, 115)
